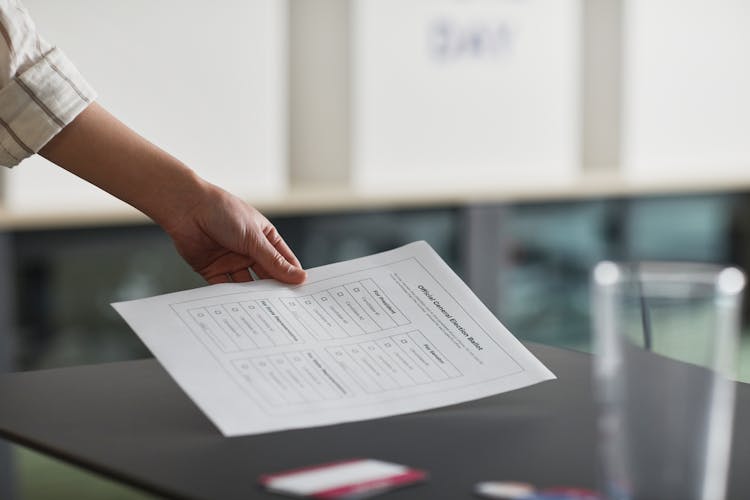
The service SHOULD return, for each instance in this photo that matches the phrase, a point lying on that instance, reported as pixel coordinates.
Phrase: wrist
(183, 192)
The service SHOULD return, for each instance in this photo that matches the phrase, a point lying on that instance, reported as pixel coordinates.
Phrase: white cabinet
(205, 81)
(465, 92)
(686, 99)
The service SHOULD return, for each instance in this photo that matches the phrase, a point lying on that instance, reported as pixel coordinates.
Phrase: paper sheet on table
(387, 334)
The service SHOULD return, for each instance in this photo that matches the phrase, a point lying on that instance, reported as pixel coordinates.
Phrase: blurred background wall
(525, 140)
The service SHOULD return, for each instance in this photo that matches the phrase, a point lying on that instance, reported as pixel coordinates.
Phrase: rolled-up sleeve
(41, 89)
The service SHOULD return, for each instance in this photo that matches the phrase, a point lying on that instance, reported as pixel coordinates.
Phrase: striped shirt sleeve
(40, 89)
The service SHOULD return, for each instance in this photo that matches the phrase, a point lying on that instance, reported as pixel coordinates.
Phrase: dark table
(131, 422)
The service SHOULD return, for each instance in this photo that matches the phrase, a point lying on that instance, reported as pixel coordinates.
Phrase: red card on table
(347, 479)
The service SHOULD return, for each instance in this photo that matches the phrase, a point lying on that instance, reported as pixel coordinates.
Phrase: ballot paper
(387, 334)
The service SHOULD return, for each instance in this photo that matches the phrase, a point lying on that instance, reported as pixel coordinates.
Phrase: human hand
(221, 237)
(218, 234)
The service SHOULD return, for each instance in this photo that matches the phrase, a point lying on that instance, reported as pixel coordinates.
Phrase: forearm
(102, 150)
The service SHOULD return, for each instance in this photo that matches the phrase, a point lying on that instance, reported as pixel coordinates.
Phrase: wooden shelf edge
(308, 200)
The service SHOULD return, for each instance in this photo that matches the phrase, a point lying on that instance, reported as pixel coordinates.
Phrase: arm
(219, 235)
(46, 106)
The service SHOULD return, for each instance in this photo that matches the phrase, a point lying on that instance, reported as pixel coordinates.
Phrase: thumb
(277, 265)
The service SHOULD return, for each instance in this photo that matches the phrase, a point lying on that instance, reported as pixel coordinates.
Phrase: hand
(222, 236)
(218, 234)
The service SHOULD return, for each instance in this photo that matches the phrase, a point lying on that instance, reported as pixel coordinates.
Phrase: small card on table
(347, 479)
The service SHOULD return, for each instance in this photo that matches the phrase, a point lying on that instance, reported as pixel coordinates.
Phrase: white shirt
(40, 89)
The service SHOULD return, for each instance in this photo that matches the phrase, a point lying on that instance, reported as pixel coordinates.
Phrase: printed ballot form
(387, 334)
